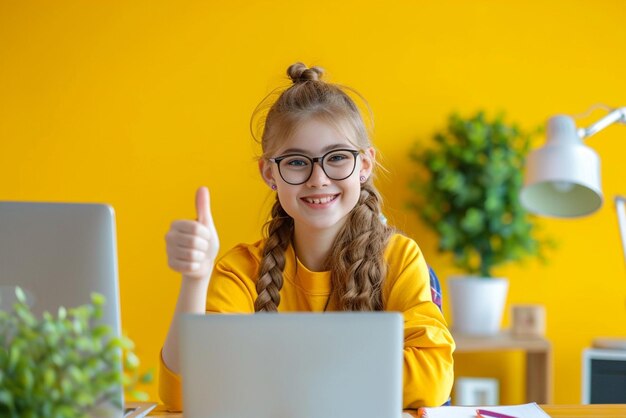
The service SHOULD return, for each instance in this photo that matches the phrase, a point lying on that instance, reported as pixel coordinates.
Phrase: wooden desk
(555, 411)
(538, 359)
(579, 411)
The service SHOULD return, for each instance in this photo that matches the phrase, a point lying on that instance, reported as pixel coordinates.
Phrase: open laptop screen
(305, 365)
(59, 253)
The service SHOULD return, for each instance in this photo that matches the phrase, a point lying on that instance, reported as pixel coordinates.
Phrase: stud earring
(273, 186)
(362, 178)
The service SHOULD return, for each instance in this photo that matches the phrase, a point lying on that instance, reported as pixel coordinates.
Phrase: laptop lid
(303, 365)
(59, 253)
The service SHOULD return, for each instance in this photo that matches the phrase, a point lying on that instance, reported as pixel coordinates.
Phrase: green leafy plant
(63, 366)
(468, 192)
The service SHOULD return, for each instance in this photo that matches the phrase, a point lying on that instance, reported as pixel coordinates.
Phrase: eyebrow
(324, 150)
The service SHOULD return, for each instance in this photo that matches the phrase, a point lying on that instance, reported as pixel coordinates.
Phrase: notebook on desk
(529, 410)
(332, 365)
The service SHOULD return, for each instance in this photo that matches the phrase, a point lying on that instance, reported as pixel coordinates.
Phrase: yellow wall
(137, 103)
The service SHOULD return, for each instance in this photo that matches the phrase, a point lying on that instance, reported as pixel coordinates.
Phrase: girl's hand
(193, 245)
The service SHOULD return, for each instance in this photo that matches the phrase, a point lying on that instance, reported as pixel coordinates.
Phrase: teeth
(320, 200)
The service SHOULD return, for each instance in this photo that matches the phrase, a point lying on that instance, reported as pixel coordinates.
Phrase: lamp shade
(563, 177)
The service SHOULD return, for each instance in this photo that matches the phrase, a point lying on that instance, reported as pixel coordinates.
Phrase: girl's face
(320, 203)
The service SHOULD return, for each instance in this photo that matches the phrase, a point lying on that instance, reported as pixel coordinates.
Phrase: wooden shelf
(538, 359)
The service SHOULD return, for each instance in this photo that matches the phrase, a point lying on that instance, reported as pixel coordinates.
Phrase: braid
(279, 230)
(357, 263)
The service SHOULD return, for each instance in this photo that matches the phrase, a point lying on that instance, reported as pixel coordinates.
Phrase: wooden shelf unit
(538, 359)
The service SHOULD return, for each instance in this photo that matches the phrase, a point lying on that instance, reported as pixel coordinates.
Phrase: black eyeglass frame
(319, 160)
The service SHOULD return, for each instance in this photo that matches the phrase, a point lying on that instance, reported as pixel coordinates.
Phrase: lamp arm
(617, 115)
(620, 205)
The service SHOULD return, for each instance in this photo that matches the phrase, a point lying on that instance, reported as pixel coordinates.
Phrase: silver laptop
(59, 253)
(302, 365)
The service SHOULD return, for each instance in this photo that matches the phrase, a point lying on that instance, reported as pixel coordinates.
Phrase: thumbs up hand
(193, 245)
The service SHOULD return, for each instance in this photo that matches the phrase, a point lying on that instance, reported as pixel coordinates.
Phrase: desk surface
(555, 411)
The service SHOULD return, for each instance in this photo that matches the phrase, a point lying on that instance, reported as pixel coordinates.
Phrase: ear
(265, 168)
(368, 162)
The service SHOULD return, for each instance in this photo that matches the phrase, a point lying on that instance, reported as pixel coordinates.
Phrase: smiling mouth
(320, 200)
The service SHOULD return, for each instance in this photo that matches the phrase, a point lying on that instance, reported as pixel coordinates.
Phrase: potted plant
(468, 194)
(65, 365)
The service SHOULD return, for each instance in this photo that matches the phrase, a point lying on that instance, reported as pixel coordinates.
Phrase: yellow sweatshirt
(428, 345)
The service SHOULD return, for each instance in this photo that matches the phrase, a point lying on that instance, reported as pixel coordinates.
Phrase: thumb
(203, 206)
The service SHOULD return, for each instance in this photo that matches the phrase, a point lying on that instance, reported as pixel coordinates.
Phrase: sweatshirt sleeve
(170, 388)
(428, 344)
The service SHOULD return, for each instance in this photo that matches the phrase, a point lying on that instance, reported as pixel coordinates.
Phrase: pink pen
(483, 413)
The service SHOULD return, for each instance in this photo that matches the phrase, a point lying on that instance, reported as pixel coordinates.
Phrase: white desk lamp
(563, 178)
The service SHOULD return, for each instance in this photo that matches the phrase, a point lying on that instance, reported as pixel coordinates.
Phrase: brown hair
(356, 260)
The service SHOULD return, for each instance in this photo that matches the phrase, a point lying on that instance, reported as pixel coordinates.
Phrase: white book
(529, 410)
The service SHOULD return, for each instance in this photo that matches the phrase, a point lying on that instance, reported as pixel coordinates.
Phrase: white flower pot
(477, 304)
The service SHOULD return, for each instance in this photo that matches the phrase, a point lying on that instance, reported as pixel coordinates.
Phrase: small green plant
(469, 193)
(63, 366)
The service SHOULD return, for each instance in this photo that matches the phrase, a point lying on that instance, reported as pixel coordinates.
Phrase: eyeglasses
(297, 169)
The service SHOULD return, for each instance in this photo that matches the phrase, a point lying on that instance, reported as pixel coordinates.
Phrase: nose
(318, 177)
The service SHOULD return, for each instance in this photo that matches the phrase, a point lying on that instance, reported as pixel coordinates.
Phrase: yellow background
(136, 103)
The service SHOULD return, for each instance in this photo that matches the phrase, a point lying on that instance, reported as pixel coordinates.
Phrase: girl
(326, 247)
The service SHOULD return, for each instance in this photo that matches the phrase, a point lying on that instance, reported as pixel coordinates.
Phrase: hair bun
(300, 73)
